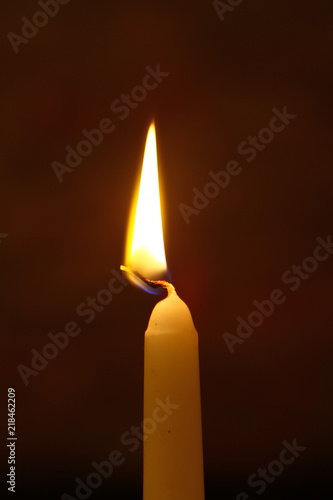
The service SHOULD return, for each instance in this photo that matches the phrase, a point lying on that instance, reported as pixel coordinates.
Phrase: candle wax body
(173, 461)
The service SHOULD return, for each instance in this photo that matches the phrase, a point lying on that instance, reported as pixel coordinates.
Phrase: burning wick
(151, 283)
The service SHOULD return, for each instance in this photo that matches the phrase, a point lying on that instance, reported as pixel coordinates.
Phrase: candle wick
(152, 283)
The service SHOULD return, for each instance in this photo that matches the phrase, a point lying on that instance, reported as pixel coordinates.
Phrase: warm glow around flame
(145, 245)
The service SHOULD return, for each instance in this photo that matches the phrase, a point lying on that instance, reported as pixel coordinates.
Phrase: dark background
(65, 238)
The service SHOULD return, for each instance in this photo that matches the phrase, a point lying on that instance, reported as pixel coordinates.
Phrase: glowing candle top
(145, 244)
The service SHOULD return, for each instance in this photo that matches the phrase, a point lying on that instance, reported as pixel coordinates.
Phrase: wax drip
(152, 283)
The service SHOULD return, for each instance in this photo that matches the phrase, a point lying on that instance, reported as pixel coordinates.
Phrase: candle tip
(152, 283)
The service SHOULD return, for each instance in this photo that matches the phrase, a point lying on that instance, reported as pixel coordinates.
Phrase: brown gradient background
(64, 239)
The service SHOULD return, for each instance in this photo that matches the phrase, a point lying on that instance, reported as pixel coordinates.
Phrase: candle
(173, 462)
(172, 466)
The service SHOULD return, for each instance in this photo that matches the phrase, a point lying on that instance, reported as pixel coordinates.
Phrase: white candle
(173, 463)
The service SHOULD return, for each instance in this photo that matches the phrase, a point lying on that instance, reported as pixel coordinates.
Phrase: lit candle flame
(145, 245)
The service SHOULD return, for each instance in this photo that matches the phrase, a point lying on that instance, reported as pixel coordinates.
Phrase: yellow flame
(145, 245)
